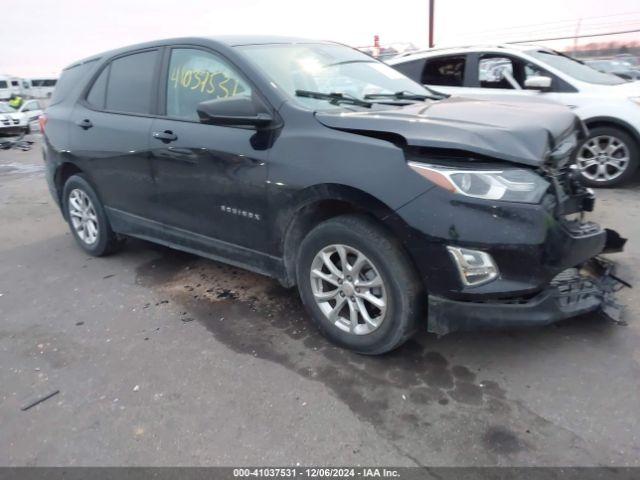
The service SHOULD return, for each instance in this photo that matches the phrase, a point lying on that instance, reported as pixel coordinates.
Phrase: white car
(609, 105)
(20, 120)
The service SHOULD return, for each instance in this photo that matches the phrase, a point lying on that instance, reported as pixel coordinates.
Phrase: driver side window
(196, 76)
(506, 72)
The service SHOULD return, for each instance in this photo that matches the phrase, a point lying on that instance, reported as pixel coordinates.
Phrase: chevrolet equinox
(389, 205)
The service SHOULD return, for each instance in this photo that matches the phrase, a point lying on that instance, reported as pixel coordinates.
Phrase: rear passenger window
(196, 76)
(98, 92)
(446, 71)
(130, 81)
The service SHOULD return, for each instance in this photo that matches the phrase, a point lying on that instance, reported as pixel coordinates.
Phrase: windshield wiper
(334, 98)
(406, 95)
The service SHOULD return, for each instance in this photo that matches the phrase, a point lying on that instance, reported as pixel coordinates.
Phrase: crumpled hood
(519, 132)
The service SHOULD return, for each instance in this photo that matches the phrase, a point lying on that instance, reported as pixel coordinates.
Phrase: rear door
(110, 133)
(500, 76)
(446, 73)
(211, 179)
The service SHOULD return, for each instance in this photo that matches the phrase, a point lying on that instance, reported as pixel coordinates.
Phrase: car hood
(13, 116)
(518, 132)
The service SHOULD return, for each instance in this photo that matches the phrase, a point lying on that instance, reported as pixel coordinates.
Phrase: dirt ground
(162, 358)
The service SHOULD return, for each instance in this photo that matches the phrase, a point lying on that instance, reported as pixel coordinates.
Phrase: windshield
(575, 69)
(4, 108)
(327, 69)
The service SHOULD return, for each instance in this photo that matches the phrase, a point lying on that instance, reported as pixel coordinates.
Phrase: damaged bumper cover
(572, 292)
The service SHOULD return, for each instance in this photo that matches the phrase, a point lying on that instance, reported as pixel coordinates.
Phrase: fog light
(475, 267)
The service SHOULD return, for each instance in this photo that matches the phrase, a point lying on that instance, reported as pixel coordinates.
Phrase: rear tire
(607, 158)
(86, 218)
(364, 255)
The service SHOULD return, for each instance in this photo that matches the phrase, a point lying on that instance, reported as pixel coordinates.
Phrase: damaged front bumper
(573, 292)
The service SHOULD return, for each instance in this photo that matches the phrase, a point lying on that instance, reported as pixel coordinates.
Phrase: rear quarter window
(412, 69)
(71, 78)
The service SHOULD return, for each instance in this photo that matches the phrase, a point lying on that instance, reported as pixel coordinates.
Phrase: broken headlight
(509, 184)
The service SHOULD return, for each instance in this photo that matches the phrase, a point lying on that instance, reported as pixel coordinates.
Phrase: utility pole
(431, 7)
(575, 38)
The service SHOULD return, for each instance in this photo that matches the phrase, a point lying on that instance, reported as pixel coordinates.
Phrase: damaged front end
(573, 292)
(582, 282)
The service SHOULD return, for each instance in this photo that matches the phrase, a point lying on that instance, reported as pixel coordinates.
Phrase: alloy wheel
(348, 289)
(83, 216)
(603, 158)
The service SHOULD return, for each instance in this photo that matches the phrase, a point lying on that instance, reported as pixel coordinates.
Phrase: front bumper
(571, 293)
(12, 129)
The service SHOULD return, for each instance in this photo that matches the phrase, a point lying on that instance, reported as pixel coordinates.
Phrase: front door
(211, 180)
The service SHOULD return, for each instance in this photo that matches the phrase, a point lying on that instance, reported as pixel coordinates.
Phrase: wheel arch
(63, 172)
(321, 202)
(613, 122)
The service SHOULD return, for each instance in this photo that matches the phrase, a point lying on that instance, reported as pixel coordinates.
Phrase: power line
(572, 21)
(569, 30)
(578, 36)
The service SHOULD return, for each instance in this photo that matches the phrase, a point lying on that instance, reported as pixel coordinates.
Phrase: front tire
(86, 218)
(607, 158)
(359, 285)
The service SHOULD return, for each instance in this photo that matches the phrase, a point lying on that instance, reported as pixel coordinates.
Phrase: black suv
(386, 203)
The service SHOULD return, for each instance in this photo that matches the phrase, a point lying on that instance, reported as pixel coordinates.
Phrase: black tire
(406, 298)
(107, 241)
(631, 146)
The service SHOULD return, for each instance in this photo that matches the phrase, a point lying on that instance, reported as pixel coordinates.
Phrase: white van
(42, 87)
(5, 87)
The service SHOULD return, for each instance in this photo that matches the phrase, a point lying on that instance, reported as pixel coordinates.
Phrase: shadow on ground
(402, 393)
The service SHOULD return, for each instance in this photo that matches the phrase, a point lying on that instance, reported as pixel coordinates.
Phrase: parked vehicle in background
(32, 110)
(5, 87)
(11, 121)
(608, 105)
(630, 59)
(41, 87)
(14, 86)
(25, 88)
(386, 204)
(20, 120)
(616, 67)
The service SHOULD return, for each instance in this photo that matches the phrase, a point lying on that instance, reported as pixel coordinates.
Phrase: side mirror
(538, 82)
(238, 110)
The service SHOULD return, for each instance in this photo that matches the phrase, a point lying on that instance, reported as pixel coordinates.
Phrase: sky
(43, 36)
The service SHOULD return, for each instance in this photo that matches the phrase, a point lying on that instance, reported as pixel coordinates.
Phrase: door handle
(166, 136)
(85, 124)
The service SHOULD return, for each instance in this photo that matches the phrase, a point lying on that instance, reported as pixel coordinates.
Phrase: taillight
(42, 121)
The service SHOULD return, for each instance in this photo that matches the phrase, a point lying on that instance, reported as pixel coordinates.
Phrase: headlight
(512, 185)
